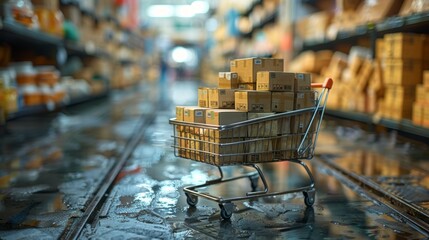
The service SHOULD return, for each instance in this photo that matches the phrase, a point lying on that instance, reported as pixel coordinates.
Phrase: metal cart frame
(261, 140)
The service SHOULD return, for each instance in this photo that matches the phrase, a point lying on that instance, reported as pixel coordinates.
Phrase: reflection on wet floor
(47, 179)
(152, 204)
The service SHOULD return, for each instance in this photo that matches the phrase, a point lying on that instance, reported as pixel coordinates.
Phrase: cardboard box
(247, 86)
(426, 78)
(248, 67)
(402, 72)
(363, 76)
(404, 45)
(203, 97)
(282, 101)
(194, 114)
(305, 100)
(275, 81)
(179, 113)
(260, 150)
(399, 96)
(426, 116)
(380, 53)
(422, 93)
(222, 98)
(223, 151)
(418, 110)
(224, 116)
(300, 123)
(228, 80)
(375, 11)
(253, 101)
(302, 82)
(285, 147)
(266, 128)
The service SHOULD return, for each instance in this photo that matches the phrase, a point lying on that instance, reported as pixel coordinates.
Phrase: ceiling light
(161, 11)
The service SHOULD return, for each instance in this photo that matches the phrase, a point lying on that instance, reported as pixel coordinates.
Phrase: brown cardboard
(404, 45)
(224, 116)
(375, 11)
(248, 67)
(221, 98)
(247, 86)
(228, 80)
(426, 115)
(402, 72)
(223, 151)
(422, 93)
(179, 113)
(363, 76)
(253, 101)
(194, 114)
(379, 49)
(304, 99)
(266, 128)
(282, 101)
(203, 97)
(261, 151)
(302, 82)
(275, 81)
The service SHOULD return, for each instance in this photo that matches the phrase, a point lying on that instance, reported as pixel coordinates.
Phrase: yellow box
(194, 114)
(222, 98)
(179, 113)
(224, 116)
(379, 48)
(253, 101)
(282, 101)
(248, 67)
(203, 97)
(402, 72)
(228, 80)
(404, 45)
(275, 81)
(305, 100)
(422, 93)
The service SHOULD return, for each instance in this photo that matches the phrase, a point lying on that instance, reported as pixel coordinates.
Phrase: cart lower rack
(289, 136)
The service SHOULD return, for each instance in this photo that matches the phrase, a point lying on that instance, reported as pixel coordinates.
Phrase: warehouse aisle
(47, 184)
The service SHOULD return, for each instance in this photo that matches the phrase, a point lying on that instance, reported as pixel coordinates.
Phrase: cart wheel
(309, 197)
(254, 182)
(191, 200)
(226, 210)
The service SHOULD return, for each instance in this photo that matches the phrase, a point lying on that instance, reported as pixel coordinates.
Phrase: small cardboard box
(247, 86)
(228, 80)
(261, 151)
(203, 97)
(422, 93)
(222, 98)
(248, 67)
(275, 81)
(282, 101)
(300, 123)
(404, 45)
(224, 116)
(253, 101)
(402, 72)
(179, 113)
(302, 82)
(223, 151)
(194, 114)
(305, 100)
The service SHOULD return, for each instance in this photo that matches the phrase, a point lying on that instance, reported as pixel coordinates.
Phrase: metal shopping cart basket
(289, 136)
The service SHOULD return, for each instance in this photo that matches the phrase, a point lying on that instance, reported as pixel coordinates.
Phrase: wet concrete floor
(50, 170)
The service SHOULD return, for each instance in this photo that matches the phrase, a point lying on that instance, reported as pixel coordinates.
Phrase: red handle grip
(326, 84)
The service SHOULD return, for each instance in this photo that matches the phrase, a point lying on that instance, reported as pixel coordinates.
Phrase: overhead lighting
(200, 7)
(185, 11)
(161, 11)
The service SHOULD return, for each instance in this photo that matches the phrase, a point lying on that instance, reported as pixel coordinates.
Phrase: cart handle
(327, 84)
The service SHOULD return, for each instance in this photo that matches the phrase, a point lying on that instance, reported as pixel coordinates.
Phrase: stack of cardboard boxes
(255, 87)
(404, 61)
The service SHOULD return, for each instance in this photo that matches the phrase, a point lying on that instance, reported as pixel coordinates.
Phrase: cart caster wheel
(254, 182)
(191, 200)
(309, 197)
(226, 210)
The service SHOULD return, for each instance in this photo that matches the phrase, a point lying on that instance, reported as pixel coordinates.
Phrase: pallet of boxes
(254, 89)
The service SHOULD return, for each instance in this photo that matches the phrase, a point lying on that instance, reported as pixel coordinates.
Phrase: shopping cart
(289, 136)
